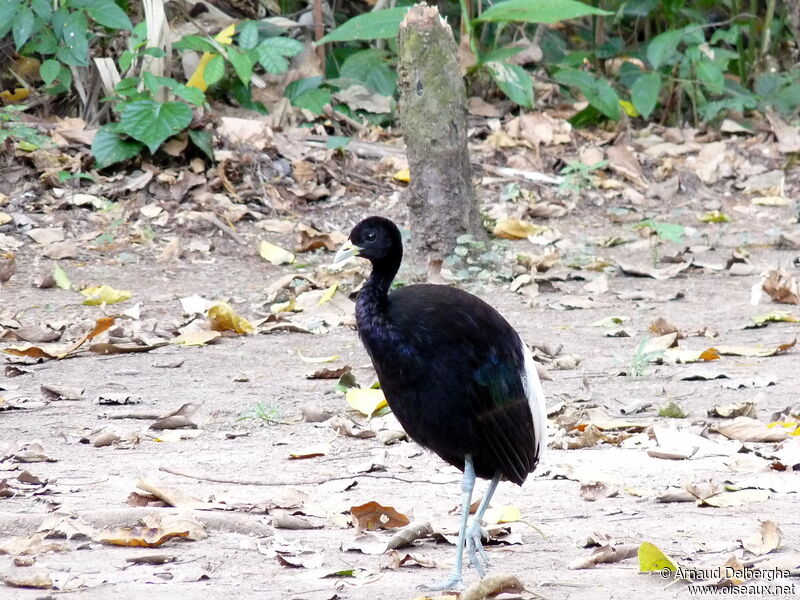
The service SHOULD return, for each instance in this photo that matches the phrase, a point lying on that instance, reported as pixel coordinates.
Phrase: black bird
(454, 372)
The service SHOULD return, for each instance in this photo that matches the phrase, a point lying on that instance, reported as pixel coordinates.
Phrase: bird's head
(376, 239)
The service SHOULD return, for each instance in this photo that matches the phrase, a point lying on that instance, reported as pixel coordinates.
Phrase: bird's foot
(477, 555)
(454, 583)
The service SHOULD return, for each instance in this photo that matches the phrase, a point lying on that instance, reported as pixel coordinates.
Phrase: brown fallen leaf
(33, 545)
(605, 554)
(763, 541)
(35, 335)
(729, 411)
(397, 560)
(106, 349)
(176, 497)
(409, 534)
(597, 491)
(756, 351)
(745, 429)
(782, 287)
(310, 452)
(325, 373)
(179, 418)
(52, 392)
(311, 239)
(285, 520)
(8, 266)
(636, 270)
(372, 516)
(155, 531)
(491, 586)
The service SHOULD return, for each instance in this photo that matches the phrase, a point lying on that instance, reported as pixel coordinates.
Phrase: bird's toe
(455, 583)
(477, 555)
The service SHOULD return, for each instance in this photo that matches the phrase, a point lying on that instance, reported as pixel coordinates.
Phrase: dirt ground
(239, 557)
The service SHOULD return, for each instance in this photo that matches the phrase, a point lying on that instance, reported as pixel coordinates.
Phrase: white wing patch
(535, 395)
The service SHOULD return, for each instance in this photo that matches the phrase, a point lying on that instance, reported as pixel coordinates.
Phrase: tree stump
(433, 115)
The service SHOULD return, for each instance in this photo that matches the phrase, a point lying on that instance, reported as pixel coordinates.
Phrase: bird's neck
(372, 305)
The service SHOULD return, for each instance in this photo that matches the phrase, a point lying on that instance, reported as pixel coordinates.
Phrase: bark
(433, 114)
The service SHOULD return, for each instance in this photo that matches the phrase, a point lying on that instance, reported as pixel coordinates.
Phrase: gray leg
(467, 485)
(474, 531)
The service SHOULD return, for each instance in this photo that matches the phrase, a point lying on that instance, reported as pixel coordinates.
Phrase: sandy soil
(238, 558)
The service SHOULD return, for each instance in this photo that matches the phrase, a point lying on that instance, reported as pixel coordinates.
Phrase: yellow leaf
(4, 218)
(104, 295)
(18, 95)
(403, 175)
(198, 337)
(275, 254)
(629, 108)
(197, 80)
(318, 359)
(515, 229)
(502, 514)
(367, 402)
(329, 293)
(651, 559)
(222, 317)
(289, 306)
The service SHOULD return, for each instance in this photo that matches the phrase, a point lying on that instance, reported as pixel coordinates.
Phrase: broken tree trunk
(433, 114)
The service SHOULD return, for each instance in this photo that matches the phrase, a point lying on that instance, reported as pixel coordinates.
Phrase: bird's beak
(347, 250)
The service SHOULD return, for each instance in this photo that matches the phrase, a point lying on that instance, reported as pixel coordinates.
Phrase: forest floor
(252, 466)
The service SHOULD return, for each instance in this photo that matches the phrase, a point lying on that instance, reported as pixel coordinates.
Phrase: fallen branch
(214, 479)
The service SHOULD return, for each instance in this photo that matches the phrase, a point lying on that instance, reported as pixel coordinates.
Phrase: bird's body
(455, 373)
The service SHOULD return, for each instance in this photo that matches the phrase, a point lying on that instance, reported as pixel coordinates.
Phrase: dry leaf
(198, 337)
(222, 317)
(492, 586)
(597, 491)
(104, 295)
(310, 452)
(763, 541)
(156, 530)
(737, 498)
(409, 534)
(372, 516)
(605, 554)
(180, 418)
(366, 401)
(515, 229)
(781, 287)
(746, 429)
(275, 254)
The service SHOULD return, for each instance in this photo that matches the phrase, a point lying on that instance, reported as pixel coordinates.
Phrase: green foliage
(541, 11)
(59, 34)
(12, 127)
(374, 25)
(577, 176)
(641, 360)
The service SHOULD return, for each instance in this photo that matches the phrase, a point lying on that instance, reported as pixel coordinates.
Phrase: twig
(339, 116)
(213, 479)
(214, 220)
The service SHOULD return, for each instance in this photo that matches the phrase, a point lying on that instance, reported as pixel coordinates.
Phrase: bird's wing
(459, 333)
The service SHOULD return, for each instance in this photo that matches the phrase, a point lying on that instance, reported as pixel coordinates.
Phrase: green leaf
(109, 14)
(375, 25)
(109, 147)
(283, 46)
(194, 42)
(514, 81)
(337, 142)
(663, 47)
(23, 26)
(541, 11)
(202, 139)
(313, 100)
(49, 70)
(242, 64)
(43, 8)
(597, 91)
(644, 93)
(191, 94)
(711, 75)
(215, 70)
(248, 35)
(153, 122)
(8, 10)
(499, 54)
(294, 89)
(61, 278)
(75, 50)
(369, 68)
(271, 60)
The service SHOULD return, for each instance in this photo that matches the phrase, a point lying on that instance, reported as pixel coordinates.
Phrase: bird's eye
(371, 235)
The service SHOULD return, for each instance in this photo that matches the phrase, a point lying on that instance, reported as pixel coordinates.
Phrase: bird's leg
(475, 530)
(467, 485)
